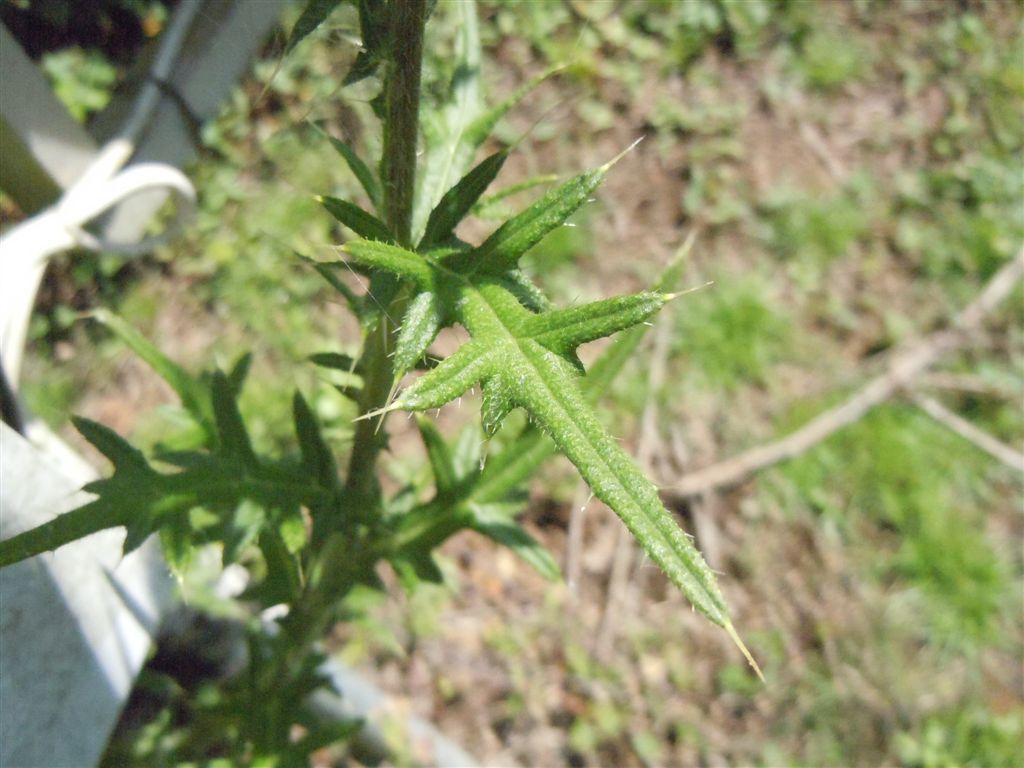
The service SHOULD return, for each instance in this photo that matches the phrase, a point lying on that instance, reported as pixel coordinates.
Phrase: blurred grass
(880, 574)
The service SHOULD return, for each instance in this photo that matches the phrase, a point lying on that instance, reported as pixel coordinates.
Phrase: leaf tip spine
(731, 630)
(604, 168)
(397, 405)
(684, 292)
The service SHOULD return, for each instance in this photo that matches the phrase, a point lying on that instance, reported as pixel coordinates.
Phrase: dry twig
(905, 363)
(970, 383)
(820, 149)
(971, 433)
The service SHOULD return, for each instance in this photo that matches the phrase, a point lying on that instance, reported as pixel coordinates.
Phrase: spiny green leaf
(239, 372)
(439, 457)
(234, 440)
(507, 348)
(506, 532)
(121, 453)
(563, 330)
(490, 206)
(284, 577)
(501, 251)
(482, 127)
(391, 258)
(144, 501)
(355, 218)
(334, 360)
(416, 567)
(63, 529)
(459, 129)
(317, 458)
(511, 467)
(496, 404)
(459, 200)
(176, 544)
(188, 389)
(525, 290)
(360, 169)
(292, 530)
(448, 154)
(326, 270)
(313, 15)
(246, 521)
(557, 405)
(454, 375)
(373, 24)
(423, 319)
(624, 346)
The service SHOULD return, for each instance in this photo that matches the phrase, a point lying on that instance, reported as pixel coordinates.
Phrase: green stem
(342, 559)
(398, 174)
(401, 118)
(345, 556)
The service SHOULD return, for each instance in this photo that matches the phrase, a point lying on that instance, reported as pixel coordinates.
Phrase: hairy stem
(398, 173)
(401, 118)
(344, 557)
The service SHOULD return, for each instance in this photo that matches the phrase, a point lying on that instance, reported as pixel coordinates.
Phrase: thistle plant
(317, 534)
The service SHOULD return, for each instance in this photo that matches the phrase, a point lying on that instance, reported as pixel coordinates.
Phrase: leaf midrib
(565, 407)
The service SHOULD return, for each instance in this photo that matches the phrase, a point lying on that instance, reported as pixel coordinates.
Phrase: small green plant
(312, 536)
(83, 80)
